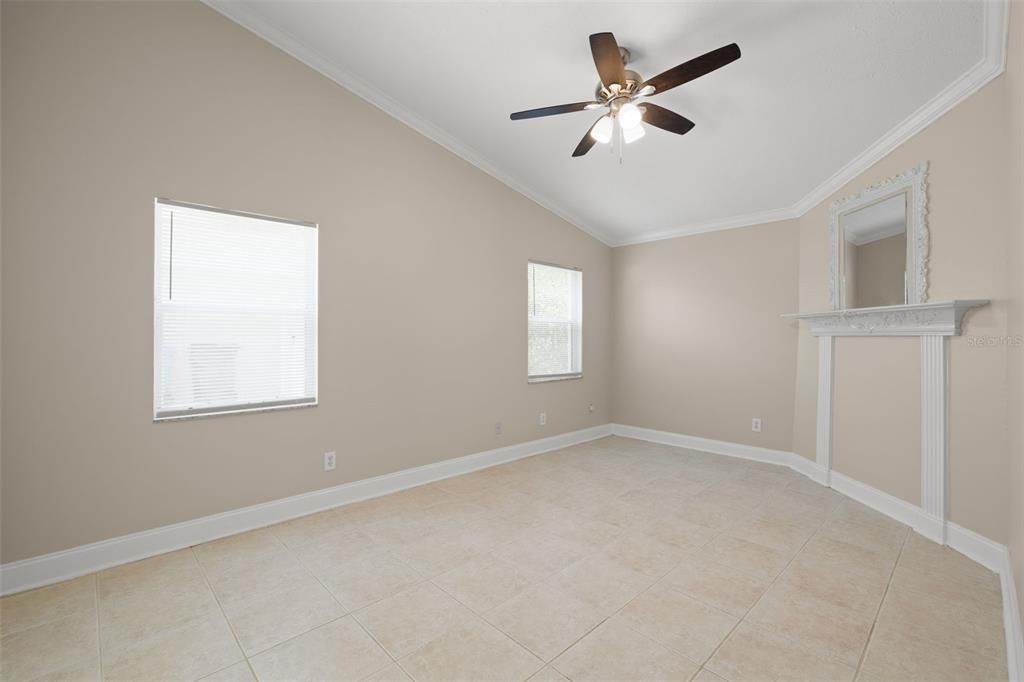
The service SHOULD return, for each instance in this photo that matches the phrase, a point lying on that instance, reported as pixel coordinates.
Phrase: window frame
(577, 338)
(240, 408)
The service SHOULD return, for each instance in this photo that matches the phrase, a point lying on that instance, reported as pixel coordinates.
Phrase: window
(555, 314)
(234, 312)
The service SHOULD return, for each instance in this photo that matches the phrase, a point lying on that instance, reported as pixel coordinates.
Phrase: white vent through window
(235, 312)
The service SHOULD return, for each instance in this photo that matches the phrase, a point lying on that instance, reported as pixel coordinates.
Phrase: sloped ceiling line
(996, 25)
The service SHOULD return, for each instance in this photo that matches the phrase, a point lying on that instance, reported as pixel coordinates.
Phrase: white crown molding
(996, 28)
(747, 220)
(238, 13)
(23, 575)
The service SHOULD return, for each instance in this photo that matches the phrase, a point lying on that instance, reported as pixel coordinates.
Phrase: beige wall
(1015, 406)
(968, 216)
(892, 385)
(880, 268)
(422, 275)
(699, 347)
(102, 111)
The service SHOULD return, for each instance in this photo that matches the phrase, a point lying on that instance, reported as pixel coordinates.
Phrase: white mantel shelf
(930, 321)
(918, 319)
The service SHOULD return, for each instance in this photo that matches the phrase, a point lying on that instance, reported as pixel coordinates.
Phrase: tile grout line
(635, 597)
(539, 582)
(881, 603)
(743, 618)
(582, 513)
(658, 580)
(346, 614)
(231, 628)
(463, 496)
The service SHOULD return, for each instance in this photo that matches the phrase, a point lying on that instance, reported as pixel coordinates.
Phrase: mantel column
(934, 398)
(823, 444)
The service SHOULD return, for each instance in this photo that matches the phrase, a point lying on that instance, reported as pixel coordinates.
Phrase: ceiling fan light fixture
(629, 116)
(602, 130)
(632, 134)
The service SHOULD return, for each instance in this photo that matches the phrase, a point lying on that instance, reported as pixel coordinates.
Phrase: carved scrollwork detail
(914, 179)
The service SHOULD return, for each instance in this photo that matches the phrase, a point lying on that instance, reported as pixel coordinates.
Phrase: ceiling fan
(620, 88)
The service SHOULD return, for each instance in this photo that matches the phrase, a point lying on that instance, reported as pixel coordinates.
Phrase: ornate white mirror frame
(914, 183)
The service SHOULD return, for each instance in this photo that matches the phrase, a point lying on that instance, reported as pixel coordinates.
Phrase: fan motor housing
(633, 81)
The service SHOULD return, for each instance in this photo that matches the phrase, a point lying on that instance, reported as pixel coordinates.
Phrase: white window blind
(235, 312)
(555, 327)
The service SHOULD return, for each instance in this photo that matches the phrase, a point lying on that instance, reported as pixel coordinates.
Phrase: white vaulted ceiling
(823, 89)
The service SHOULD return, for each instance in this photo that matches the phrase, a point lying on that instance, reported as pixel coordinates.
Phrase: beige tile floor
(615, 560)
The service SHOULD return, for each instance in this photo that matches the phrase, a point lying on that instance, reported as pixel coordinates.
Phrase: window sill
(227, 411)
(557, 377)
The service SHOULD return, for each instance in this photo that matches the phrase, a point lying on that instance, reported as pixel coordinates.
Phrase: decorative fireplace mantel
(930, 321)
(918, 319)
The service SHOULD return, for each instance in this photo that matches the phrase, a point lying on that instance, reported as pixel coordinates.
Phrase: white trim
(887, 504)
(823, 435)
(917, 319)
(974, 546)
(58, 566)
(22, 575)
(992, 65)
(241, 15)
(987, 553)
(996, 27)
(720, 447)
(734, 222)
(1012, 624)
(913, 183)
(934, 391)
(716, 447)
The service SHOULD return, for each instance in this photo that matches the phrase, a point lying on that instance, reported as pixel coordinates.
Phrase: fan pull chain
(622, 140)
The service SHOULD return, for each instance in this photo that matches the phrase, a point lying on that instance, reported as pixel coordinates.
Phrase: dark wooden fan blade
(607, 59)
(586, 143)
(551, 111)
(660, 117)
(695, 68)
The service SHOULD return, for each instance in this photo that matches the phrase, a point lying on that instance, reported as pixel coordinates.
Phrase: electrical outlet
(497, 428)
(755, 424)
(330, 461)
(591, 408)
(543, 418)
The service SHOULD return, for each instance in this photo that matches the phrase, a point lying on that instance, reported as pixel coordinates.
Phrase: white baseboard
(52, 568)
(716, 447)
(991, 555)
(23, 575)
(1012, 623)
(720, 447)
(887, 504)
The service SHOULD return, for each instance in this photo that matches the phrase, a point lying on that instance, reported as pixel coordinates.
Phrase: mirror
(873, 270)
(879, 244)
